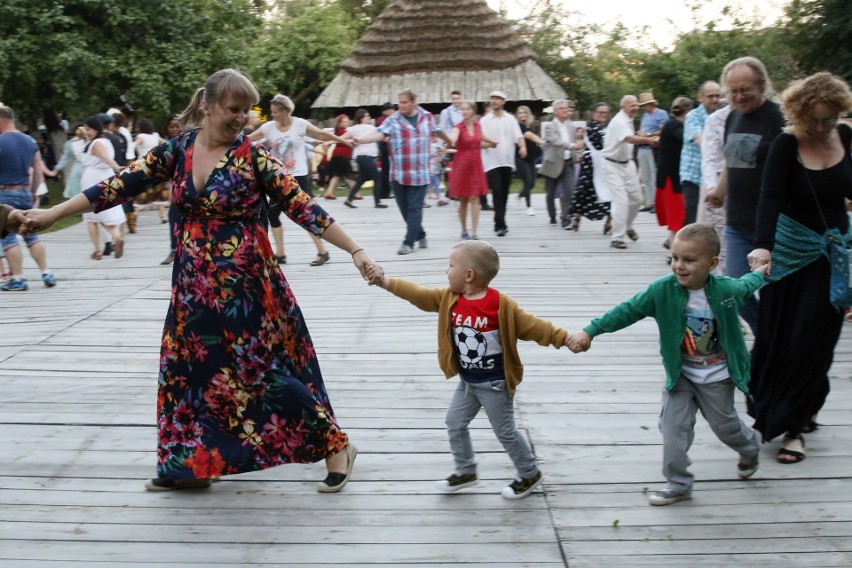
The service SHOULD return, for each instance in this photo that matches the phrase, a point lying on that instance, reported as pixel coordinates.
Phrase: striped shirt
(409, 146)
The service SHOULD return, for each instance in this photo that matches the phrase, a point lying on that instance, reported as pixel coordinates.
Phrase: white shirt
(567, 132)
(369, 149)
(505, 130)
(130, 153)
(149, 141)
(615, 148)
(288, 145)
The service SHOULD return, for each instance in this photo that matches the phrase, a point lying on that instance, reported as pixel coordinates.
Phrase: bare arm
(38, 173)
(336, 235)
(530, 135)
(98, 151)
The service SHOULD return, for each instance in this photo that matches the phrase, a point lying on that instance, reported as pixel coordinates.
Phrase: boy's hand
(375, 276)
(578, 342)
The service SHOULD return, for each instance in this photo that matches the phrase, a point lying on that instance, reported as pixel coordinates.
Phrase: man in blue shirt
(18, 155)
(653, 119)
(690, 154)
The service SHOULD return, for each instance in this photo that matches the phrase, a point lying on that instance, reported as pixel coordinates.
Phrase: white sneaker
(530, 211)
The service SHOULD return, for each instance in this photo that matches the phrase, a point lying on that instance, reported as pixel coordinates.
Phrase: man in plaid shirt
(408, 133)
(690, 154)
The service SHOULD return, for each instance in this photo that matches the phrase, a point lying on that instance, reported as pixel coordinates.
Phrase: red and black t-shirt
(477, 338)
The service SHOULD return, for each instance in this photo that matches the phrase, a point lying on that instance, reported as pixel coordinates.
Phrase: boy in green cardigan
(478, 329)
(703, 349)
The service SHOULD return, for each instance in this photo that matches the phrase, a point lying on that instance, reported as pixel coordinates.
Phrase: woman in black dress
(801, 211)
(586, 201)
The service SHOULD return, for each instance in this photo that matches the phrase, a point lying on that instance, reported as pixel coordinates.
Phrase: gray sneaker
(668, 496)
(747, 468)
(423, 243)
(405, 249)
(455, 482)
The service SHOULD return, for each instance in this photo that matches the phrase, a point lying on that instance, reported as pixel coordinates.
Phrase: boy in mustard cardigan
(478, 328)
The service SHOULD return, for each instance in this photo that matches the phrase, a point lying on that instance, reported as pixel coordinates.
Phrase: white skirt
(113, 215)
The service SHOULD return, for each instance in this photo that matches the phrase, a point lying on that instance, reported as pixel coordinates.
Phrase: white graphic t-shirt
(702, 358)
(288, 146)
(477, 338)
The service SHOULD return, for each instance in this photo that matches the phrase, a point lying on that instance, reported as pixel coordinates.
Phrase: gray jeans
(677, 424)
(648, 169)
(467, 400)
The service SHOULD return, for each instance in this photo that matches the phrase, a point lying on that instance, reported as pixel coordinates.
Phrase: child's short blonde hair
(705, 234)
(482, 257)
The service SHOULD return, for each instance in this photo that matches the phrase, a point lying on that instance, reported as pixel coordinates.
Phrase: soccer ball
(471, 344)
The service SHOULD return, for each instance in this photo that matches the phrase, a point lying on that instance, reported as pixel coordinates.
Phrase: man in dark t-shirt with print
(751, 127)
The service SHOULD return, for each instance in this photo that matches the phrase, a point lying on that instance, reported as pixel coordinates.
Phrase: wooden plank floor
(78, 373)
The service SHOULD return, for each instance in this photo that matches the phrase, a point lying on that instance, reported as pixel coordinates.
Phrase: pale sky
(665, 17)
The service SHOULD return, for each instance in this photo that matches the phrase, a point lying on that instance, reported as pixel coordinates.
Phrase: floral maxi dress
(240, 387)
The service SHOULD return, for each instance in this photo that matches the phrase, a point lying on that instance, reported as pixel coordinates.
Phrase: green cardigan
(514, 324)
(665, 299)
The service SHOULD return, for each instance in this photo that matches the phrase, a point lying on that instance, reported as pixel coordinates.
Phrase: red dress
(467, 178)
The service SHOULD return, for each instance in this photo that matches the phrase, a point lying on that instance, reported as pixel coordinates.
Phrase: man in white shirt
(620, 170)
(499, 162)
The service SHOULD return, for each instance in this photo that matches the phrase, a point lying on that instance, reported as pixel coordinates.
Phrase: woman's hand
(366, 266)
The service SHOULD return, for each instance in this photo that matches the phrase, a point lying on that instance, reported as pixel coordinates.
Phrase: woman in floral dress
(240, 387)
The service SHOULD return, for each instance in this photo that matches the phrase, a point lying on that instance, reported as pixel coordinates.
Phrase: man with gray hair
(557, 166)
(18, 155)
(620, 170)
(753, 124)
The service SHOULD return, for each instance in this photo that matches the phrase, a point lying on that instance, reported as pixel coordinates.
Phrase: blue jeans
(409, 199)
(467, 400)
(19, 199)
(738, 243)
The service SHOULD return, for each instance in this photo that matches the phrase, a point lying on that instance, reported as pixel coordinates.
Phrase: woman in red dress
(340, 164)
(467, 179)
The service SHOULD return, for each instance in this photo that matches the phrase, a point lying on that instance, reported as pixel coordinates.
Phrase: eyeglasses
(746, 91)
(827, 121)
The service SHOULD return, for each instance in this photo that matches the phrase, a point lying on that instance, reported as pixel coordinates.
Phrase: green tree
(81, 56)
(300, 54)
(818, 31)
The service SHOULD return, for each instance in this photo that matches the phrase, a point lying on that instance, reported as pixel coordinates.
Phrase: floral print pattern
(240, 387)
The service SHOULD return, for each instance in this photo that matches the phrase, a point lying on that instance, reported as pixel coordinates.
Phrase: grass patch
(54, 197)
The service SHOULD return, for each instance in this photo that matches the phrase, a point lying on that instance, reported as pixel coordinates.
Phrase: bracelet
(356, 250)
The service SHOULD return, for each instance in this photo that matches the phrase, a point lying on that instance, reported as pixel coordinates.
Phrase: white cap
(500, 94)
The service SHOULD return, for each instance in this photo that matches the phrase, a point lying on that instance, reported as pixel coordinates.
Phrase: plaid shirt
(690, 154)
(409, 147)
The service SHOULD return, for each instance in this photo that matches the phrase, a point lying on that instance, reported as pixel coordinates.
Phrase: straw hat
(647, 99)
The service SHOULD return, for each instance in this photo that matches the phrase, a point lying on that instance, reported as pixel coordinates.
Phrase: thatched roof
(433, 47)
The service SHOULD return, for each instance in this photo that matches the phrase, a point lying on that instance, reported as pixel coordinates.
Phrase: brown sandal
(322, 258)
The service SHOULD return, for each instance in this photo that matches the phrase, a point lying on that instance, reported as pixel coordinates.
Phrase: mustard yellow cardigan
(514, 324)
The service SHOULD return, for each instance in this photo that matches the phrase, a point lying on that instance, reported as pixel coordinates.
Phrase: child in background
(436, 170)
(703, 349)
(478, 329)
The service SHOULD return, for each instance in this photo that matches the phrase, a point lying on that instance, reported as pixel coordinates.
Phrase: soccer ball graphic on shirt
(471, 344)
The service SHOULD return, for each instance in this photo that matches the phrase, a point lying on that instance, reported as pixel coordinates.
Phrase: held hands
(760, 260)
(578, 342)
(16, 221)
(36, 220)
(365, 264)
(376, 276)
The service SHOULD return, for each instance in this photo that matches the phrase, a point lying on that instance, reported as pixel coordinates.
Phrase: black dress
(585, 201)
(798, 326)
